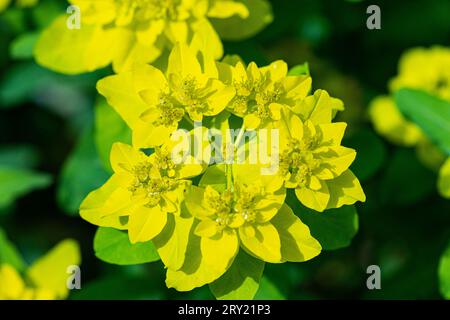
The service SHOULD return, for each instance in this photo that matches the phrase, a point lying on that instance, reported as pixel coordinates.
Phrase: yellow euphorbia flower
(141, 194)
(419, 68)
(127, 32)
(261, 93)
(153, 103)
(13, 287)
(249, 214)
(20, 3)
(46, 279)
(444, 179)
(313, 162)
(389, 121)
(425, 69)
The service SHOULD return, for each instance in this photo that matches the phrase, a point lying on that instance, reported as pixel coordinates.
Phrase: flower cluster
(204, 217)
(426, 70)
(200, 228)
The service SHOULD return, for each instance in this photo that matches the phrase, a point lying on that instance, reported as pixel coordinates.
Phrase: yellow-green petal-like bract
(129, 32)
(45, 279)
(141, 194)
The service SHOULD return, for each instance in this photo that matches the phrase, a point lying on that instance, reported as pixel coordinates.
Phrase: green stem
(186, 117)
(283, 115)
(229, 173)
(239, 137)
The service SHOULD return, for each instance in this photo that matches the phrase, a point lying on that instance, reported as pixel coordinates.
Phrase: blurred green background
(49, 159)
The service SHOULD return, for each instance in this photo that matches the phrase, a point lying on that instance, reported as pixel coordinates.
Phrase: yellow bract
(199, 232)
(261, 93)
(426, 69)
(45, 279)
(142, 192)
(250, 215)
(129, 32)
(313, 162)
(419, 68)
(197, 228)
(153, 103)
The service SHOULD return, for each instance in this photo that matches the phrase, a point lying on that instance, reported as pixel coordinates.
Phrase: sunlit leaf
(16, 182)
(109, 128)
(430, 113)
(299, 70)
(9, 254)
(241, 281)
(22, 47)
(113, 246)
(82, 172)
(268, 291)
(333, 228)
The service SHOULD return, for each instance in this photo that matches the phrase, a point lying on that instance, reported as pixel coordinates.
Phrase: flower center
(191, 95)
(232, 209)
(170, 114)
(152, 181)
(298, 161)
(253, 98)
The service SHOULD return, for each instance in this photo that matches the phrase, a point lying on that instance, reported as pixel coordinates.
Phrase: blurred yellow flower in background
(419, 68)
(126, 32)
(45, 279)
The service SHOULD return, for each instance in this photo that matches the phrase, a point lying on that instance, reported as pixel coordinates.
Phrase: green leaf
(268, 291)
(22, 47)
(299, 70)
(15, 20)
(113, 246)
(47, 11)
(82, 172)
(9, 254)
(109, 128)
(236, 28)
(119, 287)
(16, 182)
(333, 228)
(444, 273)
(430, 113)
(18, 156)
(371, 153)
(405, 181)
(241, 281)
(20, 83)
